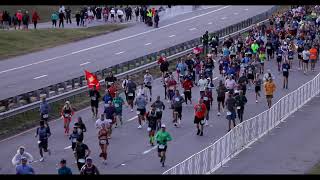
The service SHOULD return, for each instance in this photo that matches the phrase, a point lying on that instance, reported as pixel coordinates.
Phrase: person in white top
(120, 15)
(142, 91)
(101, 121)
(230, 83)
(305, 57)
(112, 14)
(202, 83)
(148, 79)
(16, 160)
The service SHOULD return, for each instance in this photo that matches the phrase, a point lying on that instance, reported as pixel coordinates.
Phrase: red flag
(92, 80)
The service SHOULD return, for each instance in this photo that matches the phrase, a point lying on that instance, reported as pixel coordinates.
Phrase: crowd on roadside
(83, 17)
(288, 40)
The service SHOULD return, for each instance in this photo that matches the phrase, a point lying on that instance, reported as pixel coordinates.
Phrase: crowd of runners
(238, 64)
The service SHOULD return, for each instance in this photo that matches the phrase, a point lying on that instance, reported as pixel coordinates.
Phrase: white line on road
(235, 13)
(68, 147)
(192, 29)
(147, 44)
(223, 18)
(147, 151)
(40, 76)
(172, 35)
(209, 22)
(246, 9)
(119, 53)
(133, 118)
(121, 39)
(85, 63)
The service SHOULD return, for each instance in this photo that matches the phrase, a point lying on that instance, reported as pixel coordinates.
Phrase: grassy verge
(315, 169)
(13, 43)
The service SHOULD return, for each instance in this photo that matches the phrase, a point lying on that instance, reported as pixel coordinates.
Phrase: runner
(279, 57)
(221, 91)
(24, 168)
(300, 50)
(285, 71)
(118, 103)
(94, 95)
(171, 83)
(187, 86)
(177, 102)
(164, 82)
(262, 58)
(241, 101)
(202, 83)
(181, 68)
(110, 112)
(269, 88)
(152, 119)
(207, 100)
(44, 110)
(103, 142)
(81, 153)
(257, 89)
(73, 137)
(231, 113)
(81, 128)
(124, 86)
(148, 79)
(131, 92)
(164, 65)
(89, 168)
(313, 57)
(44, 133)
(64, 170)
(141, 103)
(66, 114)
(230, 83)
(305, 57)
(200, 112)
(16, 160)
(110, 79)
(270, 50)
(159, 105)
(162, 137)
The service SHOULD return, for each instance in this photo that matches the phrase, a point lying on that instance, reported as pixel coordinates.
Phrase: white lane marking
(119, 53)
(235, 13)
(246, 9)
(223, 18)
(147, 44)
(147, 151)
(133, 118)
(68, 147)
(192, 29)
(172, 35)
(85, 63)
(209, 22)
(40, 76)
(121, 39)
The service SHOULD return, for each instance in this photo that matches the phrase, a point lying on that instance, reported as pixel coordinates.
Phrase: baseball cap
(163, 125)
(24, 158)
(88, 158)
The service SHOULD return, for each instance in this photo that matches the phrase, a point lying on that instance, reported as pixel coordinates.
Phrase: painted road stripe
(40, 76)
(235, 13)
(209, 22)
(118, 40)
(246, 9)
(85, 63)
(147, 44)
(68, 147)
(223, 18)
(147, 151)
(119, 52)
(172, 35)
(133, 118)
(192, 29)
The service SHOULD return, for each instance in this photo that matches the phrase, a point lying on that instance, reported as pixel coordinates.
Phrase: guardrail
(244, 134)
(18, 104)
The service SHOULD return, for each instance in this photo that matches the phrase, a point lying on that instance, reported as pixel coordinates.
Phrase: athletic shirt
(67, 112)
(305, 55)
(103, 134)
(148, 79)
(43, 133)
(202, 84)
(85, 170)
(285, 67)
(152, 118)
(200, 110)
(313, 53)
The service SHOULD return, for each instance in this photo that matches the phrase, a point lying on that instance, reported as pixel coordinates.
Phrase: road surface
(129, 150)
(291, 148)
(40, 69)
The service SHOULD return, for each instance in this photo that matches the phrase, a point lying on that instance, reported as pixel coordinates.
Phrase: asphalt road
(129, 150)
(291, 148)
(37, 70)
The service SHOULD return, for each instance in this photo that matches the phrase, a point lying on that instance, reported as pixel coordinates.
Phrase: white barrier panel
(244, 134)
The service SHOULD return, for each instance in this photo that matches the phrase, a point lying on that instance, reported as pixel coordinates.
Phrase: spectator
(14, 21)
(5, 19)
(35, 19)
(68, 15)
(19, 17)
(54, 18)
(64, 170)
(24, 168)
(25, 20)
(78, 17)
(61, 19)
(1, 18)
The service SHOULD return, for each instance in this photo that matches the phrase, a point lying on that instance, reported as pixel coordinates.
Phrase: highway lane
(63, 63)
(297, 147)
(129, 151)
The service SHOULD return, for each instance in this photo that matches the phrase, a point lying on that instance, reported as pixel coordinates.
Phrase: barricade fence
(244, 134)
(31, 100)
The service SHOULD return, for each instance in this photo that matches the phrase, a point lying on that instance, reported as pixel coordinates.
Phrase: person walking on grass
(35, 19)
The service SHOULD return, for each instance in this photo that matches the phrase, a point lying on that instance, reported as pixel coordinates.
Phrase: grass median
(13, 43)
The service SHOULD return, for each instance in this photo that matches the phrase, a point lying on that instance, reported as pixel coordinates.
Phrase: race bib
(138, 112)
(228, 113)
(93, 98)
(39, 142)
(290, 57)
(148, 129)
(300, 54)
(187, 90)
(66, 115)
(205, 98)
(238, 107)
(284, 70)
(177, 99)
(74, 140)
(268, 47)
(239, 45)
(158, 110)
(103, 141)
(81, 160)
(279, 55)
(161, 146)
(45, 116)
(130, 94)
(110, 83)
(116, 105)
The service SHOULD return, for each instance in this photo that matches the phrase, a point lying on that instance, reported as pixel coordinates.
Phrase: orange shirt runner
(200, 110)
(313, 53)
